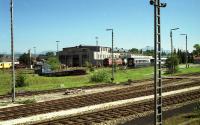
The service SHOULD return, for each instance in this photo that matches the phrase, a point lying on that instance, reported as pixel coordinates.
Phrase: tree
(53, 62)
(172, 64)
(149, 52)
(1, 55)
(163, 53)
(174, 51)
(134, 50)
(50, 54)
(25, 59)
(196, 52)
(190, 58)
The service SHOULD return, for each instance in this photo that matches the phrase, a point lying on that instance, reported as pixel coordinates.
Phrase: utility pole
(171, 36)
(29, 53)
(172, 48)
(97, 41)
(12, 51)
(57, 45)
(58, 48)
(157, 62)
(34, 52)
(186, 51)
(112, 79)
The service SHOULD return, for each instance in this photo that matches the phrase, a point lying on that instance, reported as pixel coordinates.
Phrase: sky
(41, 23)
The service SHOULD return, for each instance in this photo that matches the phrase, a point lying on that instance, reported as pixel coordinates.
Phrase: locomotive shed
(97, 102)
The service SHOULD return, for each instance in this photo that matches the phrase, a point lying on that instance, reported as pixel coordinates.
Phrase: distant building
(79, 55)
(196, 59)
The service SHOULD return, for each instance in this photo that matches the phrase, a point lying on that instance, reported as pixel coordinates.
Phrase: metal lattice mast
(157, 63)
(158, 79)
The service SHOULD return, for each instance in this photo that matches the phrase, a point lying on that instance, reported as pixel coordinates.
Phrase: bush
(100, 76)
(20, 81)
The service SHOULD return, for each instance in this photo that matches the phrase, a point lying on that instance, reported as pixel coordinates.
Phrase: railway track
(119, 112)
(82, 101)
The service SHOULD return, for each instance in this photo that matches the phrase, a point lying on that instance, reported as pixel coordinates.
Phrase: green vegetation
(135, 50)
(27, 101)
(20, 81)
(172, 64)
(192, 69)
(53, 62)
(181, 54)
(185, 119)
(100, 76)
(50, 54)
(25, 59)
(4, 103)
(36, 82)
(134, 74)
(196, 52)
(5, 81)
(89, 66)
(192, 118)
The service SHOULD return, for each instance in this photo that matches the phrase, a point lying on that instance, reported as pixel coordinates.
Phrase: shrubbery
(100, 76)
(20, 80)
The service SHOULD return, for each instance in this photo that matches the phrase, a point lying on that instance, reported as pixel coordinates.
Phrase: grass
(27, 101)
(184, 119)
(192, 118)
(189, 70)
(36, 82)
(134, 74)
(5, 81)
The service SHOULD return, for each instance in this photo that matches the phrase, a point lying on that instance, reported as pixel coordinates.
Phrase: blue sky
(41, 23)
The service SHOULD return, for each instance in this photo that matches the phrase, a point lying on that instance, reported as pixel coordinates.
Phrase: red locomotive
(108, 62)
